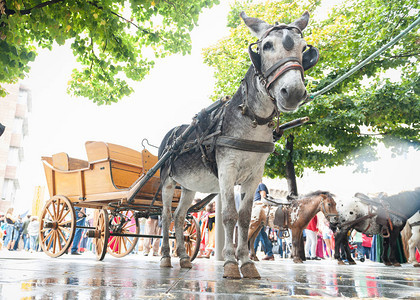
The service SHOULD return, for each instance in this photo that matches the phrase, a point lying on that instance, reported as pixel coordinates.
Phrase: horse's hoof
(352, 262)
(231, 270)
(185, 262)
(165, 262)
(417, 265)
(254, 258)
(297, 261)
(397, 264)
(249, 270)
(341, 263)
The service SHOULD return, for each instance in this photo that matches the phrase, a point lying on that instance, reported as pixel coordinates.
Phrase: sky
(175, 90)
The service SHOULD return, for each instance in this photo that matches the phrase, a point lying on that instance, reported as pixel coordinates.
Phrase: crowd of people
(20, 232)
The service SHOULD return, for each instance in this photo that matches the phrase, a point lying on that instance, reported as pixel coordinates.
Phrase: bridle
(324, 211)
(310, 58)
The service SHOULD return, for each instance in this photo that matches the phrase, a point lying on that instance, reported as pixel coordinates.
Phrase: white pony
(414, 241)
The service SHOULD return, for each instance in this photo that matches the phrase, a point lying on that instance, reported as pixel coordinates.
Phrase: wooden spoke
(101, 242)
(62, 217)
(48, 235)
(54, 238)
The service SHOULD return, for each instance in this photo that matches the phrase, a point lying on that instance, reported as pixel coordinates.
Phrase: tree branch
(121, 17)
(10, 12)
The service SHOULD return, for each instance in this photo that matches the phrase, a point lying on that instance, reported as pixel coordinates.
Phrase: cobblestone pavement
(36, 276)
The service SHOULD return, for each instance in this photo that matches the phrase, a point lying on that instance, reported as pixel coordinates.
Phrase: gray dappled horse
(385, 215)
(243, 141)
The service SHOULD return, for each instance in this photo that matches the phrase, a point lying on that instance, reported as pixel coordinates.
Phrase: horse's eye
(351, 212)
(268, 46)
(329, 204)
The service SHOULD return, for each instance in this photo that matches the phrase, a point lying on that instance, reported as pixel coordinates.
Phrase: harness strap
(414, 224)
(245, 145)
(278, 64)
(284, 69)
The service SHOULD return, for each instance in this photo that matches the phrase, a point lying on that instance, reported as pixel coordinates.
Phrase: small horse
(385, 215)
(298, 215)
(414, 240)
(243, 142)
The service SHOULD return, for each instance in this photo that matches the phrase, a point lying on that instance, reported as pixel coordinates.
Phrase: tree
(113, 40)
(348, 121)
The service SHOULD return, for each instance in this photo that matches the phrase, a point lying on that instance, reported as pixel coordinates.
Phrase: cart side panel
(124, 175)
(99, 179)
(48, 174)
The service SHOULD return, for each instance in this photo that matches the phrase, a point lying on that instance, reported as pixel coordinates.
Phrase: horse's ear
(256, 26)
(302, 22)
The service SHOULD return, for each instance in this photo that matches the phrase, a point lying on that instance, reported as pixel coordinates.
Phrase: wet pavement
(36, 276)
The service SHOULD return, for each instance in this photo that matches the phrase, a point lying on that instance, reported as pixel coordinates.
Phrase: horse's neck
(255, 95)
(310, 205)
(239, 125)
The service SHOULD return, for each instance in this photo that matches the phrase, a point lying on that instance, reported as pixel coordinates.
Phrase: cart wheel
(101, 234)
(192, 237)
(120, 246)
(57, 226)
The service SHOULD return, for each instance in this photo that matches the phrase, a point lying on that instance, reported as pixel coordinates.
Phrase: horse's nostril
(284, 92)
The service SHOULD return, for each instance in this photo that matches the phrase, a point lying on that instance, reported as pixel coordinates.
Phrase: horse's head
(328, 208)
(281, 60)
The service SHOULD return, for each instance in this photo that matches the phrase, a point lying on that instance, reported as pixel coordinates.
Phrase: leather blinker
(255, 58)
(310, 57)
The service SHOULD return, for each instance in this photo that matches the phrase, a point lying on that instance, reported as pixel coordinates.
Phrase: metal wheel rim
(101, 242)
(57, 226)
(115, 242)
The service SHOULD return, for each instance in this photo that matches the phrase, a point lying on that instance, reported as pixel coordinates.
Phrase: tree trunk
(290, 167)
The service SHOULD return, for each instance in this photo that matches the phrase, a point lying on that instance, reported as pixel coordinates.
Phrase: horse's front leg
(168, 188)
(187, 197)
(254, 229)
(248, 268)
(393, 246)
(414, 242)
(384, 255)
(296, 245)
(338, 243)
(229, 219)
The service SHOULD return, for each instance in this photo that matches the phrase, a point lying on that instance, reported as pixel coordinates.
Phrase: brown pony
(297, 215)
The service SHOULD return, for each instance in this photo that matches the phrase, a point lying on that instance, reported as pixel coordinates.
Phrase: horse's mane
(310, 195)
(317, 193)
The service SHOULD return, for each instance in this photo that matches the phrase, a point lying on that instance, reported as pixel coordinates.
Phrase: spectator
(311, 239)
(18, 233)
(366, 245)
(327, 235)
(25, 235)
(10, 229)
(260, 193)
(152, 228)
(80, 216)
(357, 239)
(33, 231)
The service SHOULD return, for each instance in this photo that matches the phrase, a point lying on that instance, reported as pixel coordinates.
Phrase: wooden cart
(108, 182)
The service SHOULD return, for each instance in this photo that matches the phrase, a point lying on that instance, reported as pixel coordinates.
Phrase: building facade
(14, 109)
